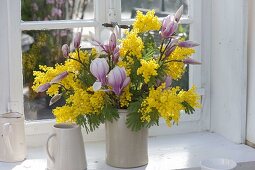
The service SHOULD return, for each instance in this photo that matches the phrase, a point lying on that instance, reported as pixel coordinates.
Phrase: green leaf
(89, 121)
(134, 117)
(154, 119)
(92, 121)
(149, 54)
(188, 109)
(110, 113)
(86, 78)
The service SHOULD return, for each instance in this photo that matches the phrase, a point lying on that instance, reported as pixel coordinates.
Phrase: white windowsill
(38, 131)
(165, 152)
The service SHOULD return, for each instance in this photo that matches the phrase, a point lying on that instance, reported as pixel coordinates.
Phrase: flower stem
(173, 61)
(79, 61)
(161, 53)
(78, 51)
(62, 86)
(161, 45)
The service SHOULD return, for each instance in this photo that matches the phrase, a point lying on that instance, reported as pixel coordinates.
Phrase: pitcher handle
(47, 147)
(6, 137)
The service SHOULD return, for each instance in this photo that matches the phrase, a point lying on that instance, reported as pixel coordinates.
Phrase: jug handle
(6, 136)
(47, 147)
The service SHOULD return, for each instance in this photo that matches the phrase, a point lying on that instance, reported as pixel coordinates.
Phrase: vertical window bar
(15, 61)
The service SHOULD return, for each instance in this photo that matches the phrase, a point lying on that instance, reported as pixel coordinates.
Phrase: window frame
(104, 12)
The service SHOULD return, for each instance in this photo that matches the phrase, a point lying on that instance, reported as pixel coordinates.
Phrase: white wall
(228, 68)
(251, 74)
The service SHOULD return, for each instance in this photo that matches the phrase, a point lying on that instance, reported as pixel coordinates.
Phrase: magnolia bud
(190, 61)
(59, 77)
(55, 98)
(188, 44)
(178, 14)
(65, 50)
(43, 87)
(77, 40)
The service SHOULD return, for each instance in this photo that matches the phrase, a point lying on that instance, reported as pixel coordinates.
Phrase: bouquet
(133, 73)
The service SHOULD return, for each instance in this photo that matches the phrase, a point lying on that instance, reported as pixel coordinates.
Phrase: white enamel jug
(65, 148)
(12, 139)
(124, 147)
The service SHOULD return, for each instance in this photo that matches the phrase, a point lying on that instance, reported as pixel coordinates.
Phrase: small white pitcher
(12, 139)
(65, 148)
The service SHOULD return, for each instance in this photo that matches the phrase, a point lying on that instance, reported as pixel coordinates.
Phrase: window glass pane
(162, 7)
(44, 48)
(42, 10)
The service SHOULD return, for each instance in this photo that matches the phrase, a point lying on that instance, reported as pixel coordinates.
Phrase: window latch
(113, 24)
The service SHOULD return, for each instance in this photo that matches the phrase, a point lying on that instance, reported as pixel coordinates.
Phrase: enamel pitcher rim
(66, 126)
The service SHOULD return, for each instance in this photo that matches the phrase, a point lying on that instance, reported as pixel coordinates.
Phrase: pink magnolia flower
(59, 77)
(118, 79)
(107, 48)
(169, 26)
(99, 68)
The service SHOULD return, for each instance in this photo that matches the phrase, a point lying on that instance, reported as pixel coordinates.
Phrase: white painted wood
(114, 11)
(165, 153)
(38, 131)
(101, 17)
(228, 68)
(59, 24)
(205, 46)
(184, 20)
(4, 68)
(10, 65)
(15, 57)
(195, 13)
(195, 73)
(251, 78)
